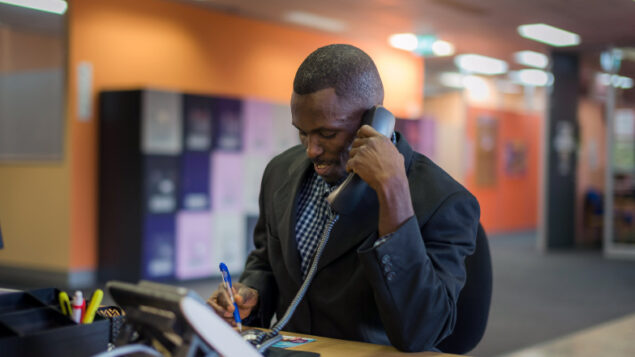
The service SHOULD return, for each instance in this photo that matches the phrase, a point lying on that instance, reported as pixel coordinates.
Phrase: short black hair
(345, 68)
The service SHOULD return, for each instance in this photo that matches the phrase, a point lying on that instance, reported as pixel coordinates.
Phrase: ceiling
(483, 27)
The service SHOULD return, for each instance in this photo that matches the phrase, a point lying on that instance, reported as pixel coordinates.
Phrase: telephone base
(260, 339)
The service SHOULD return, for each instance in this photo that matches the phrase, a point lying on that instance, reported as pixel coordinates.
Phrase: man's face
(327, 126)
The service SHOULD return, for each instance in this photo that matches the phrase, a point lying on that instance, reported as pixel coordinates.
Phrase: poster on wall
(197, 111)
(486, 150)
(227, 124)
(162, 127)
(428, 143)
(284, 134)
(158, 246)
(194, 245)
(258, 121)
(161, 183)
(195, 181)
(254, 167)
(227, 176)
(228, 237)
(515, 158)
(410, 129)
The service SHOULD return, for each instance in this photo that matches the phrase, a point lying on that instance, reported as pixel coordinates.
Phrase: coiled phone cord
(307, 281)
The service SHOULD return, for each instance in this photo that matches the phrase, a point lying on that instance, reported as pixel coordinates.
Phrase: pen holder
(117, 319)
(31, 324)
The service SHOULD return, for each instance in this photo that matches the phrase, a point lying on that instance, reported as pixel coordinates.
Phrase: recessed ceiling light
(404, 41)
(442, 48)
(532, 77)
(473, 63)
(614, 80)
(531, 59)
(315, 21)
(52, 6)
(423, 45)
(548, 34)
(477, 88)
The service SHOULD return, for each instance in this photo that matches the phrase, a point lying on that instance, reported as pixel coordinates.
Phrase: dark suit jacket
(402, 292)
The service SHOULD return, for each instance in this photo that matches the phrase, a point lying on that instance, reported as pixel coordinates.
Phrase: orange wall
(164, 44)
(512, 203)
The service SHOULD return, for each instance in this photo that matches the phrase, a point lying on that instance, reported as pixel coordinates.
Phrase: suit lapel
(350, 230)
(285, 213)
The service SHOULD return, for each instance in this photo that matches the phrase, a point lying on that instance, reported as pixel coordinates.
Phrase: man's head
(332, 88)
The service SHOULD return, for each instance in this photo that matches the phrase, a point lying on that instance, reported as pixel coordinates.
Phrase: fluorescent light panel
(615, 80)
(52, 6)
(473, 63)
(531, 59)
(404, 41)
(442, 48)
(315, 21)
(548, 34)
(424, 45)
(532, 77)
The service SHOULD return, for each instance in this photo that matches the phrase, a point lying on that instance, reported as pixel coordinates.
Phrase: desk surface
(330, 347)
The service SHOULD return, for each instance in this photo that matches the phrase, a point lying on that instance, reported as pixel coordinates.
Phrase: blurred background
(133, 136)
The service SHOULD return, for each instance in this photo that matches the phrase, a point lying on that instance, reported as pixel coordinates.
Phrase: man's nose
(313, 147)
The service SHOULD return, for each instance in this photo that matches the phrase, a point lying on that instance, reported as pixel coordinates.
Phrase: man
(392, 270)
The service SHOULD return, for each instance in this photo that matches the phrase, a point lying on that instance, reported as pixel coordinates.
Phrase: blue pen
(227, 280)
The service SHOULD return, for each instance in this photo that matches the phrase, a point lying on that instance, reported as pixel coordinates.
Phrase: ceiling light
(548, 34)
(614, 80)
(531, 59)
(532, 77)
(480, 64)
(403, 41)
(442, 48)
(52, 6)
(423, 45)
(315, 21)
(477, 88)
(626, 83)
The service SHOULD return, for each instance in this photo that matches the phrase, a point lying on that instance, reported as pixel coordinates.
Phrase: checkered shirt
(313, 215)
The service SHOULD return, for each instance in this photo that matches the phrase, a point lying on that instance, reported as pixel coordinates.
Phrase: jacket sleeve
(258, 273)
(418, 273)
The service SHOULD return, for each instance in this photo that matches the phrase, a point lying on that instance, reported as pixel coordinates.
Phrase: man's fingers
(367, 131)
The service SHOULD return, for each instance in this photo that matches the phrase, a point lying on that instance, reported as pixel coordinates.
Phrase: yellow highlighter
(89, 315)
(65, 303)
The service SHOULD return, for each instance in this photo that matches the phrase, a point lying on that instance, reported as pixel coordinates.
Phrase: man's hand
(378, 162)
(375, 159)
(246, 299)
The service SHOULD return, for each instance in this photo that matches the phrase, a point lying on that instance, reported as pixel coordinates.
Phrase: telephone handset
(346, 196)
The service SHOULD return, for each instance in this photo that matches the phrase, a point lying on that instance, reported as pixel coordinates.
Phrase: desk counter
(331, 347)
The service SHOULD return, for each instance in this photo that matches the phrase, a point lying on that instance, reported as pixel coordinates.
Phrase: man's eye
(327, 134)
(301, 134)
